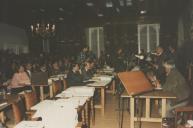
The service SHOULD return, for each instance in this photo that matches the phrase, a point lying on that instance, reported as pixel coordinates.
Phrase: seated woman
(75, 76)
(20, 80)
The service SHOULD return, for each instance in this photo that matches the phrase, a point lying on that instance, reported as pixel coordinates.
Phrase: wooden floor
(111, 118)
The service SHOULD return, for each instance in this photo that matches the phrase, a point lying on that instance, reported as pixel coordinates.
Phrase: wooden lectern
(135, 82)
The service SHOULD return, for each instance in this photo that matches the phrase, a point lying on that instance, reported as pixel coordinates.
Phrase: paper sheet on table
(42, 105)
(30, 124)
(57, 116)
(74, 101)
(79, 91)
(99, 83)
(3, 104)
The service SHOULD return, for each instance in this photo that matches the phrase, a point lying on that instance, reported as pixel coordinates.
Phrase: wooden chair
(18, 111)
(65, 85)
(30, 99)
(57, 87)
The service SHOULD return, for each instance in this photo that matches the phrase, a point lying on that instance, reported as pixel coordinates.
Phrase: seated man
(87, 70)
(74, 76)
(176, 84)
(55, 69)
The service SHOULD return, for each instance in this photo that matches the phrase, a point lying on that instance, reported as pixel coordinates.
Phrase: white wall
(13, 38)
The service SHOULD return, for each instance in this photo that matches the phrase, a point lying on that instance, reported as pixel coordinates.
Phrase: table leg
(83, 117)
(103, 100)
(163, 108)
(41, 93)
(132, 111)
(87, 113)
(65, 84)
(51, 90)
(2, 117)
(113, 85)
(92, 111)
(147, 108)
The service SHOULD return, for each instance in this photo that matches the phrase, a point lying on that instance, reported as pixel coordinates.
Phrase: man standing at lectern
(176, 84)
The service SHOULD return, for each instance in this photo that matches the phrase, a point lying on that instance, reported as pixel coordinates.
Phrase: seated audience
(20, 79)
(176, 84)
(87, 70)
(55, 69)
(83, 55)
(66, 65)
(74, 76)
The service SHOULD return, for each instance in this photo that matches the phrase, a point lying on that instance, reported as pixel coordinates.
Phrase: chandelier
(43, 30)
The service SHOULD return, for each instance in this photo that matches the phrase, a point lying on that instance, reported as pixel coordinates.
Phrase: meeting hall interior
(96, 63)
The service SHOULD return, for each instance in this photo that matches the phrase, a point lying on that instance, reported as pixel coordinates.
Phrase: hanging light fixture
(43, 27)
(44, 30)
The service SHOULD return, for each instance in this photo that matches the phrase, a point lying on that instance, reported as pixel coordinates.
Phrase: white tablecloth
(30, 124)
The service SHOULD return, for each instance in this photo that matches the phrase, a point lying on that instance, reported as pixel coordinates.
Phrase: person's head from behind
(168, 64)
(119, 50)
(88, 64)
(159, 50)
(55, 65)
(20, 68)
(28, 66)
(43, 68)
(75, 67)
(172, 49)
(85, 49)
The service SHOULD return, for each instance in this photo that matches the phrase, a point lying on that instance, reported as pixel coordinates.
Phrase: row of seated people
(21, 78)
(75, 76)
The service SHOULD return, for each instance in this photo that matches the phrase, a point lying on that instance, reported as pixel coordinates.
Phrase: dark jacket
(176, 84)
(86, 74)
(74, 78)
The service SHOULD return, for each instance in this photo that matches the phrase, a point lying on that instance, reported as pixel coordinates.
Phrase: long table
(101, 85)
(158, 94)
(79, 101)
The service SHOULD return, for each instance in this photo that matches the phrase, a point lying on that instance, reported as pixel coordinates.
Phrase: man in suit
(87, 70)
(176, 84)
(74, 76)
